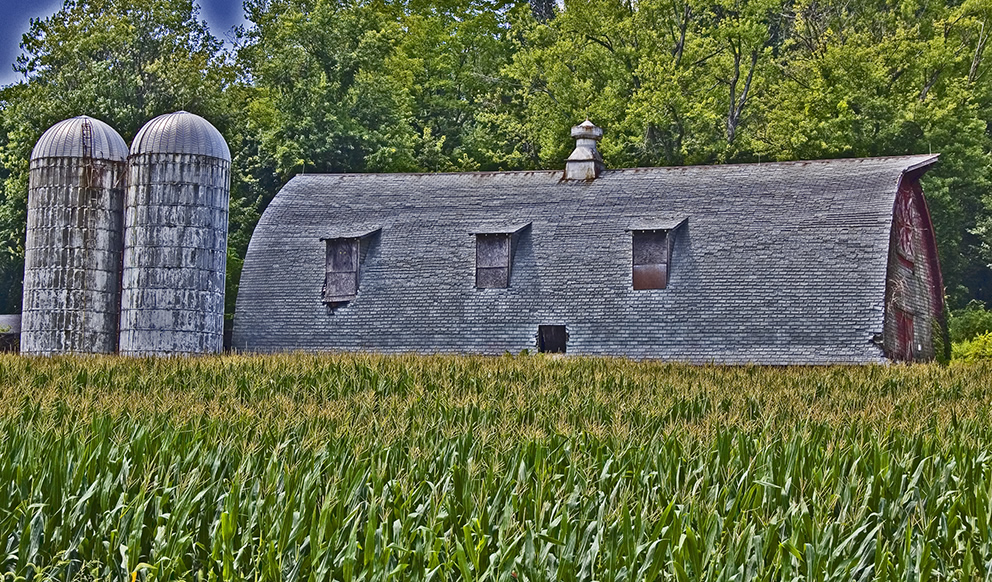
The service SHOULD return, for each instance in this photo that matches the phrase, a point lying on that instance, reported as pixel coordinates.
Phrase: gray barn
(783, 263)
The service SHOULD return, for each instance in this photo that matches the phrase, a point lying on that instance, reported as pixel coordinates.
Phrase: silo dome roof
(180, 133)
(66, 139)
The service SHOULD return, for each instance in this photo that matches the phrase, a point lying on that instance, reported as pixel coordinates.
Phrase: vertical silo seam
(86, 139)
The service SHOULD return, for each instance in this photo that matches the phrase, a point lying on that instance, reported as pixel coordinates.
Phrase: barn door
(906, 337)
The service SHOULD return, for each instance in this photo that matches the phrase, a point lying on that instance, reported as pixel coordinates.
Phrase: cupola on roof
(180, 133)
(81, 137)
(585, 162)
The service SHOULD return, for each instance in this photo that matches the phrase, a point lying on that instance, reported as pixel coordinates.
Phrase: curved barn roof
(68, 139)
(775, 263)
(180, 133)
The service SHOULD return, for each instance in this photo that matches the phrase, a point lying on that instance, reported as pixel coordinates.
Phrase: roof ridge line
(927, 159)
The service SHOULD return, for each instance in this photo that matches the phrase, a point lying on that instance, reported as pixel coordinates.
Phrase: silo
(72, 252)
(175, 238)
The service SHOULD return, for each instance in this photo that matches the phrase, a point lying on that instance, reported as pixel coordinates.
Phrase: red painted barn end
(915, 320)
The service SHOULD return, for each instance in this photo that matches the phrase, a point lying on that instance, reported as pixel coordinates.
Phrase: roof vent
(585, 163)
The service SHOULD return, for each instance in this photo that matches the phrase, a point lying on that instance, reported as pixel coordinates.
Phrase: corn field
(303, 467)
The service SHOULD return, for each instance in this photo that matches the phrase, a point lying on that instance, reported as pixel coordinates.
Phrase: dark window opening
(650, 259)
(551, 339)
(492, 261)
(341, 278)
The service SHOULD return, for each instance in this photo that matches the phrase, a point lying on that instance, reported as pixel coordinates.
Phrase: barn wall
(914, 310)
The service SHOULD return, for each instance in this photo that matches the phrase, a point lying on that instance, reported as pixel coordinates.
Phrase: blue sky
(221, 15)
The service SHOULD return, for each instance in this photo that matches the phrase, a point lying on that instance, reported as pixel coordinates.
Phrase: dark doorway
(551, 339)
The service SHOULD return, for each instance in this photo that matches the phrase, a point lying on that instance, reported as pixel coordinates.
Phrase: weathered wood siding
(914, 311)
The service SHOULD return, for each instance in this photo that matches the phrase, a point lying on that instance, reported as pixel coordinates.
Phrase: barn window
(494, 255)
(341, 279)
(551, 339)
(651, 251)
(342, 266)
(492, 261)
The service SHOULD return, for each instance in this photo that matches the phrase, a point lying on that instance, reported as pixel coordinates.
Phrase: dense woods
(448, 85)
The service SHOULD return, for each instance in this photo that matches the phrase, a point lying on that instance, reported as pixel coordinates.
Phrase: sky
(221, 16)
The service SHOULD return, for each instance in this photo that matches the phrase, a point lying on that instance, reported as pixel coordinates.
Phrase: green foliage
(528, 468)
(973, 320)
(359, 86)
(321, 97)
(673, 81)
(975, 349)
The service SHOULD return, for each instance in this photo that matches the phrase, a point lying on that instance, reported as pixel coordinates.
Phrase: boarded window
(341, 279)
(650, 259)
(492, 261)
(551, 339)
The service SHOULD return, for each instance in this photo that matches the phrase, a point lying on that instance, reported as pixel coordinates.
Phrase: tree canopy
(448, 85)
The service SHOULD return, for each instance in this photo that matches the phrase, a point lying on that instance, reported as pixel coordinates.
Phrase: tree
(322, 99)
(370, 86)
(875, 79)
(674, 81)
(451, 57)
